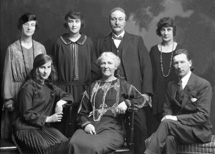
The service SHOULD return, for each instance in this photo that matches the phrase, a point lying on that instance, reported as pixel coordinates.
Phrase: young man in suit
(186, 110)
(135, 66)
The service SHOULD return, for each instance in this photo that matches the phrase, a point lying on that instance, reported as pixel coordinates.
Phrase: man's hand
(90, 129)
(121, 108)
(170, 117)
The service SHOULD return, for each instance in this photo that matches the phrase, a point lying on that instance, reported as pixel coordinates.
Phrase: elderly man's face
(182, 65)
(117, 22)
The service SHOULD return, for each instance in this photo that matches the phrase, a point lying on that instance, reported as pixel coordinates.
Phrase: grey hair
(117, 9)
(110, 54)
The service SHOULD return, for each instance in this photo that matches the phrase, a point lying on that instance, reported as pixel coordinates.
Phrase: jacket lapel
(187, 90)
(126, 43)
(174, 92)
(108, 42)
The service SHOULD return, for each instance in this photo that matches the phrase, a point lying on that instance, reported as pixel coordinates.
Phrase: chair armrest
(71, 105)
(130, 124)
(132, 109)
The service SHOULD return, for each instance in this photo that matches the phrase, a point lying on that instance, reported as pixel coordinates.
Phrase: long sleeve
(84, 110)
(27, 110)
(151, 54)
(53, 53)
(61, 94)
(203, 104)
(146, 67)
(95, 71)
(194, 109)
(14, 73)
(43, 49)
(167, 107)
(132, 96)
(7, 83)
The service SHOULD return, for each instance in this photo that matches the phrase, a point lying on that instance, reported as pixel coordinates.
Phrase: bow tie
(117, 38)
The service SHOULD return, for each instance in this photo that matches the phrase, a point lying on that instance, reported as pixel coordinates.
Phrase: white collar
(185, 79)
(122, 34)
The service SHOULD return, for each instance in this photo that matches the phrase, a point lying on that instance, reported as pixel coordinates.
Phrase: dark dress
(160, 81)
(76, 68)
(31, 133)
(98, 107)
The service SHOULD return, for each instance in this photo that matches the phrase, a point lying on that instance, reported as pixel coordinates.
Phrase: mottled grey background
(195, 21)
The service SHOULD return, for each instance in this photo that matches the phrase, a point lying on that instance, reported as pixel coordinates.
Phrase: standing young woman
(18, 63)
(74, 59)
(37, 109)
(162, 65)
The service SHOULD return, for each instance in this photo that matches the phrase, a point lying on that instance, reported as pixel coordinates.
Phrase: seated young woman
(102, 110)
(40, 104)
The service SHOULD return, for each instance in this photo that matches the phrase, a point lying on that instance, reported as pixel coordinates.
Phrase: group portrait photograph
(107, 76)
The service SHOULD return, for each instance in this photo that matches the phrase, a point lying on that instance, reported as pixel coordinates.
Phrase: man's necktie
(180, 85)
(179, 94)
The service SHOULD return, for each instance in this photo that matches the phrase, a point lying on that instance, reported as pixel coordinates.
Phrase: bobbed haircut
(74, 15)
(117, 9)
(40, 60)
(25, 18)
(186, 52)
(111, 55)
(165, 22)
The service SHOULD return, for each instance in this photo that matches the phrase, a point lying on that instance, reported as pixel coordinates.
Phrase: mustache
(116, 26)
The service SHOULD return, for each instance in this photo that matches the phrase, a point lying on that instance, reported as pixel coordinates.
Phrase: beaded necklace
(170, 64)
(23, 56)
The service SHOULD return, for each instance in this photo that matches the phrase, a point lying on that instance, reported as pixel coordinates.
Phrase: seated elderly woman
(33, 133)
(102, 111)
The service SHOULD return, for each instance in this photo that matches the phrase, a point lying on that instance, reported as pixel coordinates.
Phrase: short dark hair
(40, 60)
(182, 51)
(74, 15)
(165, 22)
(25, 18)
(186, 52)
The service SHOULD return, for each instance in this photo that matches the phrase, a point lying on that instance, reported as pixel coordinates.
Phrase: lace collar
(67, 41)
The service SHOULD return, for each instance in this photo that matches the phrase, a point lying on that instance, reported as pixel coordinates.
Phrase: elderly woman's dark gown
(32, 134)
(98, 107)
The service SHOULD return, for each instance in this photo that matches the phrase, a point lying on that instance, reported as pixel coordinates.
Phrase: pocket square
(193, 100)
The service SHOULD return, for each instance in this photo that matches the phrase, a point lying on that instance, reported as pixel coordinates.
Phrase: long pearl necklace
(23, 56)
(170, 64)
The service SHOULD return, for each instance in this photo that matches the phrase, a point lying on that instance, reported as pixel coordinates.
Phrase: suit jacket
(134, 59)
(194, 109)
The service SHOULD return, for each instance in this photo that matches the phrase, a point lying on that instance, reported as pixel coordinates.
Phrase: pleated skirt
(40, 141)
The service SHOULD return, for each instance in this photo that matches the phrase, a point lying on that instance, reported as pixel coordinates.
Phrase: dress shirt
(117, 41)
(185, 79)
